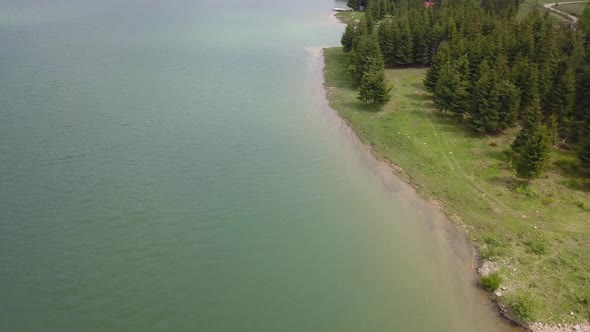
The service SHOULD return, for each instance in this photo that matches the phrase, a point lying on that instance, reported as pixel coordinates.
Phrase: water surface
(173, 166)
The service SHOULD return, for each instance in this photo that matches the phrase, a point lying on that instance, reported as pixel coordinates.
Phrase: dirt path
(551, 6)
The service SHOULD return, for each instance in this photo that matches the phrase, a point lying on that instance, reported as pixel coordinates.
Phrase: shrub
(493, 240)
(526, 190)
(493, 252)
(523, 306)
(494, 247)
(537, 246)
(491, 282)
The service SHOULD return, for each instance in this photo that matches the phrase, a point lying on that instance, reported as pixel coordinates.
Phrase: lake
(174, 166)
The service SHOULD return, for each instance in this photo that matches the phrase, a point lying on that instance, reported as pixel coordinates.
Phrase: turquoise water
(173, 166)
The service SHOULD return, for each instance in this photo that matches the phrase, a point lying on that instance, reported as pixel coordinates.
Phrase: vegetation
(539, 235)
(482, 73)
(527, 6)
(350, 17)
(575, 9)
(510, 100)
(365, 67)
(523, 306)
(373, 89)
(491, 282)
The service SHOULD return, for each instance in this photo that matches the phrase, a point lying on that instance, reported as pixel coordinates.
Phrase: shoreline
(479, 263)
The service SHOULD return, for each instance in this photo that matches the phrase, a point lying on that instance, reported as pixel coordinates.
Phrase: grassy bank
(538, 240)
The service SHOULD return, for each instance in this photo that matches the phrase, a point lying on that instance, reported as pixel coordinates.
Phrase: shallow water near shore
(175, 166)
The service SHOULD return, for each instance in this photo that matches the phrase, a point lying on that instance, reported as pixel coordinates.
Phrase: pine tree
(404, 48)
(373, 88)
(532, 118)
(358, 58)
(441, 57)
(382, 9)
(484, 102)
(533, 154)
(421, 43)
(582, 108)
(509, 104)
(559, 101)
(584, 25)
(546, 55)
(526, 78)
(445, 87)
(436, 36)
(354, 4)
(584, 149)
(348, 37)
(369, 21)
(526, 39)
(387, 34)
(460, 99)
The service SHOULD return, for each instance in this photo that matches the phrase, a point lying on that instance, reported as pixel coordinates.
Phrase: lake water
(174, 166)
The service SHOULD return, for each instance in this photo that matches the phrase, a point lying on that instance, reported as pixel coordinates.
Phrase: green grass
(491, 282)
(575, 9)
(350, 17)
(539, 236)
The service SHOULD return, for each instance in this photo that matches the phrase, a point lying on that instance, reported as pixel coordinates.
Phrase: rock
(576, 327)
(498, 293)
(503, 288)
(572, 313)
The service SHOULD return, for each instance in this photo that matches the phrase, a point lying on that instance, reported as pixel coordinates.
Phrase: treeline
(490, 69)
(365, 67)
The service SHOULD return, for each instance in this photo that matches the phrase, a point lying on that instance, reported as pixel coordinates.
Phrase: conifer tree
(373, 88)
(420, 38)
(582, 107)
(348, 37)
(531, 119)
(387, 34)
(526, 39)
(559, 100)
(369, 22)
(442, 57)
(354, 4)
(436, 37)
(404, 48)
(450, 93)
(584, 149)
(509, 104)
(526, 78)
(533, 154)
(358, 58)
(484, 102)
(445, 87)
(382, 8)
(584, 25)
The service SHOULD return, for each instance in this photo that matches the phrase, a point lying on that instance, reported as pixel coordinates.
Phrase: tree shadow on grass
(510, 182)
(362, 107)
(420, 86)
(452, 124)
(579, 184)
(500, 155)
(422, 97)
(569, 168)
